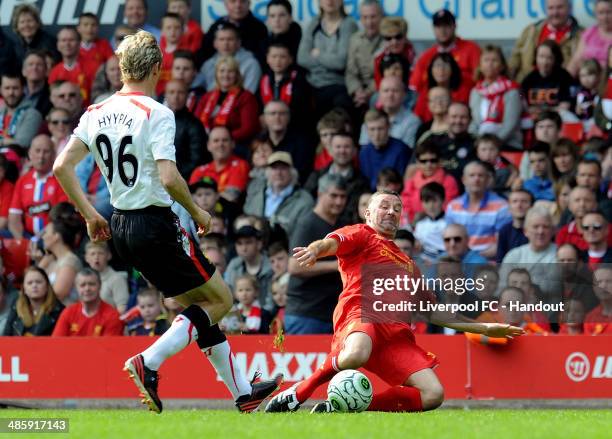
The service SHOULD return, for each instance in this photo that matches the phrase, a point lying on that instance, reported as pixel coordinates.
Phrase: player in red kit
(387, 349)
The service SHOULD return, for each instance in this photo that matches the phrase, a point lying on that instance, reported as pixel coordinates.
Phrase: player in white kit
(131, 137)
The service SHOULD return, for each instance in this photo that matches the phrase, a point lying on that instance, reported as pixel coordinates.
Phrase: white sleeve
(81, 131)
(163, 129)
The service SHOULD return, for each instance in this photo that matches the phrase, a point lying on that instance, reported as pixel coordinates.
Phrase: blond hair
(231, 63)
(137, 55)
(23, 306)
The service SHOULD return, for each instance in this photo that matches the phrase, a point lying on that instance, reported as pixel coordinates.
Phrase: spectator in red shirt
(229, 104)
(581, 201)
(595, 233)
(229, 171)
(6, 192)
(466, 53)
(37, 309)
(90, 316)
(599, 320)
(73, 68)
(97, 50)
(172, 32)
(192, 32)
(36, 192)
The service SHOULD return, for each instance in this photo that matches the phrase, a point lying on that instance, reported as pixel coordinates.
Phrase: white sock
(176, 338)
(224, 362)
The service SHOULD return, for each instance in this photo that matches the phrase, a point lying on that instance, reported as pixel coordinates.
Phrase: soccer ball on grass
(349, 391)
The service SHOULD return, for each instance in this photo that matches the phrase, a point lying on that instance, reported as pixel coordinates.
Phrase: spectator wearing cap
(481, 211)
(394, 31)
(206, 195)
(466, 53)
(538, 256)
(559, 25)
(313, 292)
(227, 42)
(343, 152)
(383, 150)
(363, 45)
(278, 198)
(135, 15)
(251, 31)
(190, 134)
(19, 120)
(229, 171)
(285, 136)
(323, 52)
(252, 260)
(282, 29)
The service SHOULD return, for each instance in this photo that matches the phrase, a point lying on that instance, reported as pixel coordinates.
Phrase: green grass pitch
(209, 424)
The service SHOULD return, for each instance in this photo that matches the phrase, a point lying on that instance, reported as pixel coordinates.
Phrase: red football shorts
(395, 355)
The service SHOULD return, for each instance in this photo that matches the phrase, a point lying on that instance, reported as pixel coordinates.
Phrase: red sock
(397, 399)
(322, 375)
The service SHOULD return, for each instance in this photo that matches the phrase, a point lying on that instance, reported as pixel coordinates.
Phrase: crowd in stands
(503, 163)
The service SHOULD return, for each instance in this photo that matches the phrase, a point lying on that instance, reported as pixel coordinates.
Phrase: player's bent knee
(432, 396)
(353, 358)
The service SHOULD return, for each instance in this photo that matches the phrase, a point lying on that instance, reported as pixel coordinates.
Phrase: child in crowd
(172, 32)
(192, 32)
(261, 149)
(540, 185)
(153, 321)
(488, 147)
(114, 289)
(279, 296)
(429, 170)
(388, 179)
(429, 230)
(336, 121)
(279, 258)
(245, 316)
(93, 48)
(571, 321)
(587, 97)
(521, 279)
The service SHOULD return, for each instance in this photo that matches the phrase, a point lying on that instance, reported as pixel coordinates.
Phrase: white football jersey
(126, 134)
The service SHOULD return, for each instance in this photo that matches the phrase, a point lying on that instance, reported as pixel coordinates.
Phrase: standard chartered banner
(477, 19)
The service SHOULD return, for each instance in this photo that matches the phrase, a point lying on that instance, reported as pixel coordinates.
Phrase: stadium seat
(16, 257)
(513, 157)
(573, 131)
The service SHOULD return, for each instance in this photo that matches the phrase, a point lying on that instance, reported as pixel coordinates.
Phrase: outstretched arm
(465, 324)
(63, 168)
(307, 256)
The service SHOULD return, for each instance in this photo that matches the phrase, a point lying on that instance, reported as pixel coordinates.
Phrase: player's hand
(98, 229)
(501, 330)
(304, 256)
(204, 221)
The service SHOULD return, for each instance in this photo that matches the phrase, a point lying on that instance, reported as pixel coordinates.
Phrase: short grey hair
(538, 212)
(90, 272)
(327, 181)
(372, 3)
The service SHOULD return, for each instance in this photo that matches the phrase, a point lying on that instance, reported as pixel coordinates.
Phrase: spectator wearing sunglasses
(456, 239)
(394, 31)
(595, 233)
(60, 127)
(67, 95)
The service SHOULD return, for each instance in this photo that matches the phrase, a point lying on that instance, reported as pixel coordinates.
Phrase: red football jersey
(596, 323)
(81, 73)
(73, 322)
(97, 52)
(33, 198)
(235, 174)
(362, 252)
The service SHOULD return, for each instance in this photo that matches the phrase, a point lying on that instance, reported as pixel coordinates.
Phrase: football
(349, 391)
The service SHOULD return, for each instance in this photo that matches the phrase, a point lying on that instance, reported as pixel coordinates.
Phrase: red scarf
(558, 35)
(226, 108)
(494, 93)
(286, 90)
